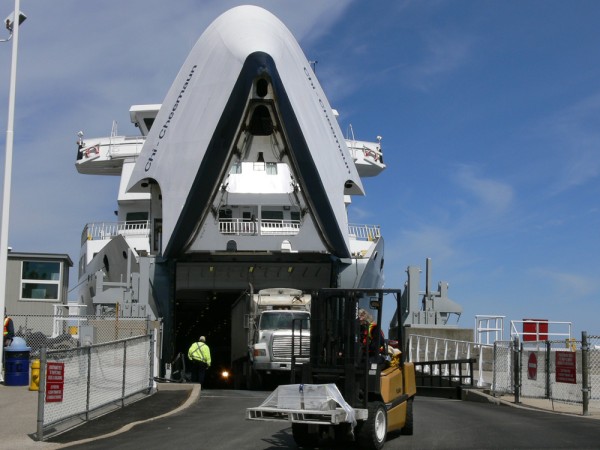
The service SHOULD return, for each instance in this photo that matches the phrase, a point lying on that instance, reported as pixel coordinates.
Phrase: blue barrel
(16, 363)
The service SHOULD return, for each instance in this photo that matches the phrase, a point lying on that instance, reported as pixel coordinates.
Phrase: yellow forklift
(354, 388)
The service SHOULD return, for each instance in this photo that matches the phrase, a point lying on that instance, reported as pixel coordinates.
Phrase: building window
(40, 280)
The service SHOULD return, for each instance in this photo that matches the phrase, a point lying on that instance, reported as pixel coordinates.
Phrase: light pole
(12, 24)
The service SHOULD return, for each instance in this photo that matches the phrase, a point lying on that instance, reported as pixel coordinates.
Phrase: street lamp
(12, 25)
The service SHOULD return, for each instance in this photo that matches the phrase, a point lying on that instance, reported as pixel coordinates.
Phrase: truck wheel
(407, 429)
(372, 432)
(302, 437)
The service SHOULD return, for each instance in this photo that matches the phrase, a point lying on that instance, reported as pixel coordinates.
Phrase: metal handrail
(540, 335)
(364, 232)
(107, 230)
(446, 349)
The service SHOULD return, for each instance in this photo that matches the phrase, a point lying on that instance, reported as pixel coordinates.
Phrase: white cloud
(494, 197)
(575, 134)
(570, 285)
(444, 54)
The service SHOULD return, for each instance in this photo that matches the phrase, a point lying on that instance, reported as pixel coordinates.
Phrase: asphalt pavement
(19, 414)
(19, 407)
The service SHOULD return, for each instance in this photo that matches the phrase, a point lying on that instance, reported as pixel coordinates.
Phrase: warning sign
(55, 372)
(55, 381)
(54, 392)
(566, 367)
(532, 366)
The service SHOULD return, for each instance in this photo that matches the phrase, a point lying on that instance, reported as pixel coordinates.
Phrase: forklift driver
(369, 330)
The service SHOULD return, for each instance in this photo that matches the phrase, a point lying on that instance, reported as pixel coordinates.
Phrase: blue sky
(489, 112)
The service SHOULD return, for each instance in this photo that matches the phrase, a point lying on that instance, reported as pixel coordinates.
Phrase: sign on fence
(566, 367)
(532, 366)
(55, 381)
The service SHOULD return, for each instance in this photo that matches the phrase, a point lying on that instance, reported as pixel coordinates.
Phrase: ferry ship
(241, 179)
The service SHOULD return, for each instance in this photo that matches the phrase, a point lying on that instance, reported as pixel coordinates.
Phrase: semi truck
(270, 331)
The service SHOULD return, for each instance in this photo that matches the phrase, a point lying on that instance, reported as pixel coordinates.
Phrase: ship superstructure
(239, 181)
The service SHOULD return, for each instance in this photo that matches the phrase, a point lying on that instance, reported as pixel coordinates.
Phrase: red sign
(55, 381)
(566, 367)
(54, 392)
(55, 372)
(535, 329)
(532, 366)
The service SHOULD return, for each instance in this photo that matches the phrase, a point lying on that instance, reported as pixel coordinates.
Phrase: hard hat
(202, 339)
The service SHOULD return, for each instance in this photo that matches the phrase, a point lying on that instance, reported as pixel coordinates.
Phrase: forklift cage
(339, 346)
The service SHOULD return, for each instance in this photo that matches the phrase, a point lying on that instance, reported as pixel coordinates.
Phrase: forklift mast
(339, 346)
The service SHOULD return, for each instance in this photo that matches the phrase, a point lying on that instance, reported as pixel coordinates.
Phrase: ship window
(271, 168)
(260, 123)
(149, 121)
(40, 280)
(272, 215)
(236, 167)
(225, 214)
(262, 87)
(295, 215)
(136, 217)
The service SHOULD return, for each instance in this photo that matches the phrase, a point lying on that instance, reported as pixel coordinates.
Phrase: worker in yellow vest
(199, 354)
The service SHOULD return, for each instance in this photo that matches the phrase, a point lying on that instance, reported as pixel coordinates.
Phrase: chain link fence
(67, 332)
(502, 368)
(566, 371)
(79, 384)
(594, 371)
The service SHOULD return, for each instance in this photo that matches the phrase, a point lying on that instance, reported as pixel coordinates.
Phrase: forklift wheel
(372, 432)
(302, 437)
(407, 429)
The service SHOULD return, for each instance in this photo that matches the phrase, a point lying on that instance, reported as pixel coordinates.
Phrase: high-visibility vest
(199, 351)
(6, 322)
(368, 337)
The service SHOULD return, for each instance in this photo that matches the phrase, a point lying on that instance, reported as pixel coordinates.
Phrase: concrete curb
(476, 395)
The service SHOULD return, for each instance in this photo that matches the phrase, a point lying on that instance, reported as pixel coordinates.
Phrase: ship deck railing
(364, 232)
(245, 227)
(239, 227)
(107, 230)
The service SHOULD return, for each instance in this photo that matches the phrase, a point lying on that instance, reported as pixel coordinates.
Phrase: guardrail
(364, 232)
(429, 348)
(108, 230)
(447, 376)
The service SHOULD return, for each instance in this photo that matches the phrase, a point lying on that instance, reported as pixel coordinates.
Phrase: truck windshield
(283, 321)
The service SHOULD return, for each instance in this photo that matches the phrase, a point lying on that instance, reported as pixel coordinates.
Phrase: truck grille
(282, 347)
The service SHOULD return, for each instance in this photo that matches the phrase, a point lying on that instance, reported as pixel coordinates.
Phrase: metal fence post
(41, 394)
(494, 368)
(89, 384)
(547, 368)
(152, 344)
(585, 372)
(124, 373)
(517, 369)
